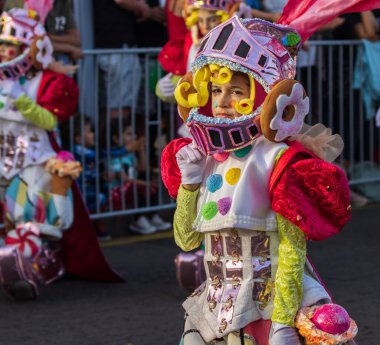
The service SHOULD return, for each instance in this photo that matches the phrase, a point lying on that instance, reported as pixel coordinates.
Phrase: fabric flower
(45, 51)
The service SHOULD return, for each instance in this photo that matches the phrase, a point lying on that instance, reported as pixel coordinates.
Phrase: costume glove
(166, 85)
(191, 163)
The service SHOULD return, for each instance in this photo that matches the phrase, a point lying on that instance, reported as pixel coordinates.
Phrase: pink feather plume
(42, 7)
(307, 16)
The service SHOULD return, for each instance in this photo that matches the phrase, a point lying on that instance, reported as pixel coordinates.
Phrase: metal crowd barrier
(326, 72)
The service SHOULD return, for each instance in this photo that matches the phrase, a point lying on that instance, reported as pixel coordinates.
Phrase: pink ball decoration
(65, 156)
(331, 318)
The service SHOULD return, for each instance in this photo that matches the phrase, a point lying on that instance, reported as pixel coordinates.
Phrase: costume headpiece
(252, 46)
(264, 52)
(217, 5)
(19, 27)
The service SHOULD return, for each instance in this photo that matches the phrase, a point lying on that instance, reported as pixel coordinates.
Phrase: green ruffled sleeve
(289, 276)
(291, 263)
(39, 116)
(185, 237)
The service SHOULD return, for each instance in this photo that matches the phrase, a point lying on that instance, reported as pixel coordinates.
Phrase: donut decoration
(328, 324)
(64, 164)
(41, 51)
(284, 110)
(26, 239)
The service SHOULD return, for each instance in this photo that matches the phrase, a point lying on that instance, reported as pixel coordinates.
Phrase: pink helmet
(19, 27)
(253, 46)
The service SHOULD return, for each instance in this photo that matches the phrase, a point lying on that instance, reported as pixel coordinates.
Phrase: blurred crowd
(116, 175)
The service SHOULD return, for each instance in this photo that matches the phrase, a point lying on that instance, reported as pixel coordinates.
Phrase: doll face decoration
(226, 96)
(207, 20)
(9, 51)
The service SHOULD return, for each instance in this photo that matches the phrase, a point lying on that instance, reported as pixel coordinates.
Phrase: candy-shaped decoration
(284, 110)
(328, 324)
(331, 318)
(26, 238)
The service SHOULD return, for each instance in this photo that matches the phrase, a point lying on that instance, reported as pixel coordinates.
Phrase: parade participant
(247, 187)
(36, 182)
(178, 54)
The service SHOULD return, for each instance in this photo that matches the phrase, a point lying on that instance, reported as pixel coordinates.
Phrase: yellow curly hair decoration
(201, 80)
(192, 19)
(245, 106)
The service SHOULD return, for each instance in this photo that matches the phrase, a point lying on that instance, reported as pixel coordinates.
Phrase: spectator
(63, 32)
(153, 22)
(127, 163)
(84, 152)
(2, 3)
(115, 27)
(368, 28)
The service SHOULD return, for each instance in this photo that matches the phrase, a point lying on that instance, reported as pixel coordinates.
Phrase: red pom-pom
(171, 57)
(310, 193)
(331, 318)
(59, 94)
(171, 175)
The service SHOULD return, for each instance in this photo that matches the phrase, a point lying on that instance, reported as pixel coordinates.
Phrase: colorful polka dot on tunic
(209, 210)
(221, 157)
(233, 175)
(224, 205)
(243, 152)
(214, 182)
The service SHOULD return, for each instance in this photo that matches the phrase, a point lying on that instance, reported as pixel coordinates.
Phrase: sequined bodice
(21, 143)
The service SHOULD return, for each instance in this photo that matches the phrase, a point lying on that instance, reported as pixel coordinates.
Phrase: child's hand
(191, 163)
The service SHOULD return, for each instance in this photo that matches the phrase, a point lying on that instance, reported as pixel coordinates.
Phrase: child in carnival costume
(36, 182)
(248, 188)
(178, 54)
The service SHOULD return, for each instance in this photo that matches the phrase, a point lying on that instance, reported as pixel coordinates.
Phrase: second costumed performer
(48, 232)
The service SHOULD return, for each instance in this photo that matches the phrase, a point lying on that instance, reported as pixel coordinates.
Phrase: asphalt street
(146, 310)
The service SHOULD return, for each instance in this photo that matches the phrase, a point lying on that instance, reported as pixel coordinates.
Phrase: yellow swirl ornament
(224, 76)
(200, 98)
(245, 106)
(178, 94)
(201, 75)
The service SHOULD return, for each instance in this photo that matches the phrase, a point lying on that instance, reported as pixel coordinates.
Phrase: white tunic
(244, 183)
(22, 144)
